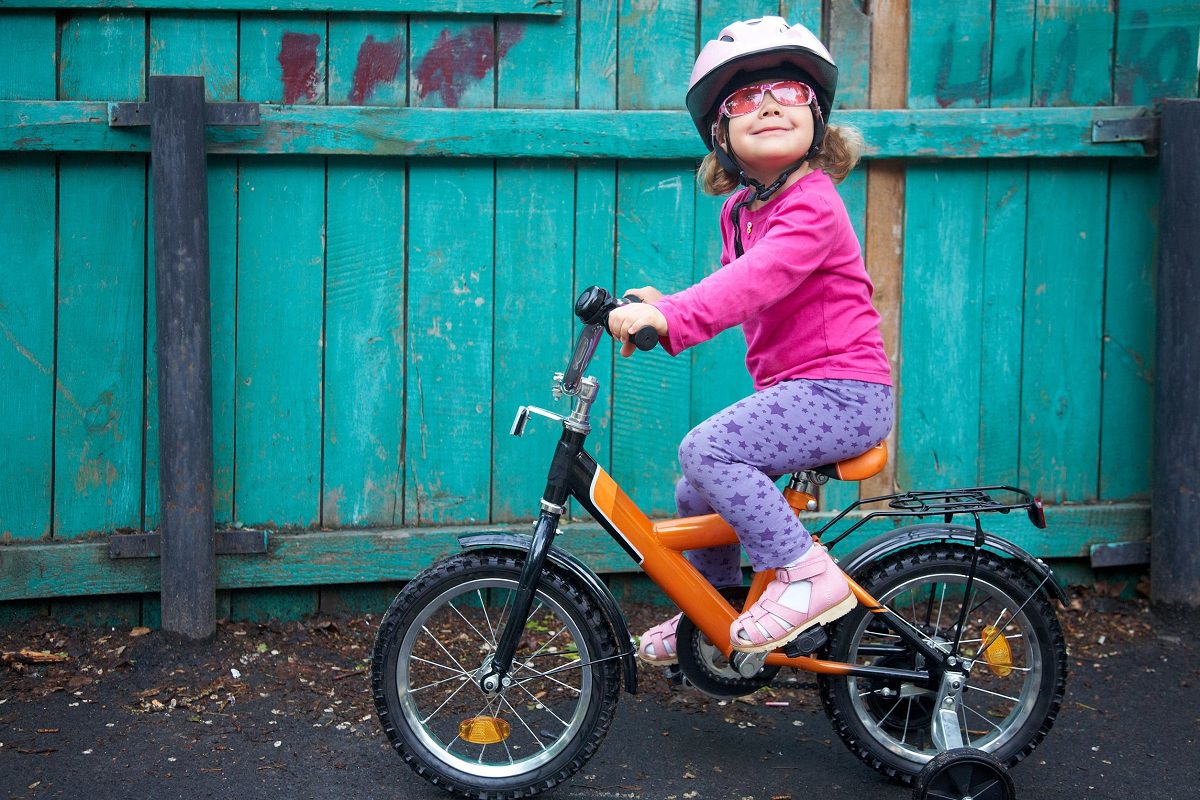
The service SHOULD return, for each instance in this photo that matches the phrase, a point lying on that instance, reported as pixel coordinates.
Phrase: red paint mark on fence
(378, 62)
(454, 62)
(298, 57)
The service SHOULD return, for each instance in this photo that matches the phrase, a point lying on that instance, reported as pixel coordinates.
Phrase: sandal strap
(802, 572)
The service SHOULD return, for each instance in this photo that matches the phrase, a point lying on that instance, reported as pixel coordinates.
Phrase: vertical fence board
(27, 204)
(281, 262)
(1004, 255)
(595, 258)
(535, 234)
(203, 45)
(655, 208)
(1155, 51)
(451, 289)
(364, 354)
(1060, 392)
(102, 244)
(849, 40)
(943, 244)
(596, 199)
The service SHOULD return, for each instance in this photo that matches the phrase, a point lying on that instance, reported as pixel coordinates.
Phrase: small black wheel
(964, 773)
(707, 668)
(432, 646)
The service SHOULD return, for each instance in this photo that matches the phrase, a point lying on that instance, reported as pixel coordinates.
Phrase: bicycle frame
(658, 547)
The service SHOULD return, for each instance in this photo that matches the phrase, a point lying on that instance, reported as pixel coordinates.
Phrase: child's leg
(721, 566)
(728, 459)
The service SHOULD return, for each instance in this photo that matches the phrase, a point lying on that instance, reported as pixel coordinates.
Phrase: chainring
(706, 668)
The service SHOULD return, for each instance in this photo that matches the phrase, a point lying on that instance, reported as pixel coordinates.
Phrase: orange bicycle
(496, 672)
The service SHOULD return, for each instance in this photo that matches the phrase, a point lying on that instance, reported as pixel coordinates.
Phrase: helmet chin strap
(728, 161)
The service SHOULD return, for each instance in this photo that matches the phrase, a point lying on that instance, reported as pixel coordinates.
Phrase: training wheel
(964, 773)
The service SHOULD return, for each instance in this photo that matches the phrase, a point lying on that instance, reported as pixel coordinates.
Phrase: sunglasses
(749, 99)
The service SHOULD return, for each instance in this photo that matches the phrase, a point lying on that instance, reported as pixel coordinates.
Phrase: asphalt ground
(124, 715)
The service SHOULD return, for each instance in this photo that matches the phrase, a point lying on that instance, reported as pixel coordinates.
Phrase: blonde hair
(839, 154)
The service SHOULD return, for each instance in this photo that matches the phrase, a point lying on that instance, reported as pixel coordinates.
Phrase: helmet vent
(727, 38)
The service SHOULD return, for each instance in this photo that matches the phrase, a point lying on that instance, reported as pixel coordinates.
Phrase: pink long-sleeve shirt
(800, 292)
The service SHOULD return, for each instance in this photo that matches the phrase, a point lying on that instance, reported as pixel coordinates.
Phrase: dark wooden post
(1175, 513)
(180, 185)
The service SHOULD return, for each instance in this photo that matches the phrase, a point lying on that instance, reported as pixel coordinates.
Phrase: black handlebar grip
(645, 338)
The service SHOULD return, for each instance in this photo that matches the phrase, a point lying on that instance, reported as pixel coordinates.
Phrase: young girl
(792, 276)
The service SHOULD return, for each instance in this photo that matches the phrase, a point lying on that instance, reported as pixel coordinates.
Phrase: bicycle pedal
(804, 644)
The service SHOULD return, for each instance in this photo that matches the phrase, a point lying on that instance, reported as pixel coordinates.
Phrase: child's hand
(648, 294)
(625, 320)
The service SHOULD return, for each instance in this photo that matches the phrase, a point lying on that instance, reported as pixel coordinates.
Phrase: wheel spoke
(521, 719)
(982, 717)
(437, 683)
(451, 696)
(470, 624)
(459, 671)
(995, 694)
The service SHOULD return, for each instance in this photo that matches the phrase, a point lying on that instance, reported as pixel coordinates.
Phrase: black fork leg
(493, 678)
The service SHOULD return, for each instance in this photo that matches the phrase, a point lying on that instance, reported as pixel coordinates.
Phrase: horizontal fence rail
(489, 7)
(83, 126)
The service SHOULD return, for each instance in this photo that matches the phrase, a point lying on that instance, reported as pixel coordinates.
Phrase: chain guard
(704, 666)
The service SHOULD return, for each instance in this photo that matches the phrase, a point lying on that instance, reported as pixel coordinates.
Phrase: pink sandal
(770, 623)
(658, 643)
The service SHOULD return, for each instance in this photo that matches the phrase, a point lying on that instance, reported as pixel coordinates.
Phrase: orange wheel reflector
(483, 730)
(998, 654)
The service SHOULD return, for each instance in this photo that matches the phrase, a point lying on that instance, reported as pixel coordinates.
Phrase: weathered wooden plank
(943, 244)
(595, 265)
(522, 7)
(1154, 40)
(27, 40)
(517, 133)
(451, 289)
(27, 267)
(535, 235)
(184, 44)
(1156, 50)
(535, 326)
(883, 244)
(101, 246)
(364, 332)
(657, 47)
(27, 262)
(204, 44)
(280, 255)
(597, 69)
(1060, 393)
(1004, 255)
(368, 61)
(352, 556)
(655, 207)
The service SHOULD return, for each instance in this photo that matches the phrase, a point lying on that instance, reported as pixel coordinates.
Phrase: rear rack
(945, 503)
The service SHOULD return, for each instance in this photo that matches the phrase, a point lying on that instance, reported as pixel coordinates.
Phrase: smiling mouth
(771, 130)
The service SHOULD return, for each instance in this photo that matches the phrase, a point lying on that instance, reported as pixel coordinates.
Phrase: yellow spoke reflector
(998, 654)
(483, 730)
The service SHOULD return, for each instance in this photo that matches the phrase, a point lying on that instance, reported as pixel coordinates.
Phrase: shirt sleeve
(794, 245)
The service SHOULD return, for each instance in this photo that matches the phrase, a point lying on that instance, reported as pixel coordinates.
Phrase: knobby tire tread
(916, 558)
(595, 622)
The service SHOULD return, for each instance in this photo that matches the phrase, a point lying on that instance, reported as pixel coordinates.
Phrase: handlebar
(593, 307)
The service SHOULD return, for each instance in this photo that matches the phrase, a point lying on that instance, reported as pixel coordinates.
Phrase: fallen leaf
(139, 631)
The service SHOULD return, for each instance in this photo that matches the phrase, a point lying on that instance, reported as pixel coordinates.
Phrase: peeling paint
(378, 62)
(455, 62)
(298, 58)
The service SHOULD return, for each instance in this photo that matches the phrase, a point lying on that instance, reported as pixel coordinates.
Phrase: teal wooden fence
(395, 251)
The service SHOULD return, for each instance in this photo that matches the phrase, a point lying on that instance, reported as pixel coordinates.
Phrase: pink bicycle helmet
(744, 49)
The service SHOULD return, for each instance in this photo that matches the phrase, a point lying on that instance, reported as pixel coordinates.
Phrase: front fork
(495, 675)
(576, 427)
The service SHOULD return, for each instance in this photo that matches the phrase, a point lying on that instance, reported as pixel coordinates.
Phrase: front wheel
(434, 643)
(1010, 639)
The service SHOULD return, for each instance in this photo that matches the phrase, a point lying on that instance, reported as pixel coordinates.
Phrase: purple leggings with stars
(729, 461)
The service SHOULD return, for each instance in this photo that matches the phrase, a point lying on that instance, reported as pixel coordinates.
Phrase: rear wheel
(1010, 639)
(433, 644)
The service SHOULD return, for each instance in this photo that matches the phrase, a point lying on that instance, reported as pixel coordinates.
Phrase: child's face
(769, 140)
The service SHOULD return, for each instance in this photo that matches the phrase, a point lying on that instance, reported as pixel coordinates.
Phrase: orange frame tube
(660, 546)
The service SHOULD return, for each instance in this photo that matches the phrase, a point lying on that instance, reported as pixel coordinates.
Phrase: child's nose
(770, 105)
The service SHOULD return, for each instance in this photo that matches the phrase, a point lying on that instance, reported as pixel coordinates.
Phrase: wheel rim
(437, 679)
(994, 707)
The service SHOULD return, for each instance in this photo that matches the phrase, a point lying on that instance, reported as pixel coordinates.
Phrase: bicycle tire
(448, 604)
(1025, 693)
